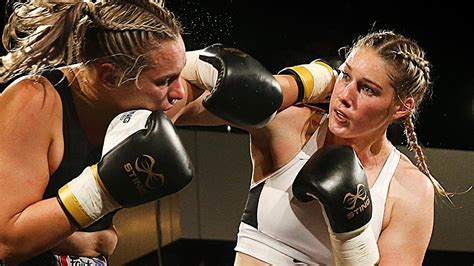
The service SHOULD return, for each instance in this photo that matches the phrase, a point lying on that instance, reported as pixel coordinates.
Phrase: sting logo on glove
(148, 180)
(350, 201)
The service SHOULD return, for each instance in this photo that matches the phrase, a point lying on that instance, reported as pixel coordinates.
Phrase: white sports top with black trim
(278, 229)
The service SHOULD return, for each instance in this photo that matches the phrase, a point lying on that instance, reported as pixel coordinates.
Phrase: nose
(348, 95)
(176, 91)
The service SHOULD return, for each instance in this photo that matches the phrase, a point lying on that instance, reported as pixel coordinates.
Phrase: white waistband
(256, 244)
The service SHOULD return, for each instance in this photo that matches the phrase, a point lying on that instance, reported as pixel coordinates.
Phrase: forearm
(192, 112)
(289, 88)
(89, 244)
(36, 229)
(238, 85)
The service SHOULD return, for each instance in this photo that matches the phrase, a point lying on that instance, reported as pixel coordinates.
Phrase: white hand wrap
(358, 247)
(317, 79)
(85, 197)
(198, 72)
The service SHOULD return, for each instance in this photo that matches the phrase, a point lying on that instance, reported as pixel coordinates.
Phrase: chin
(338, 130)
(168, 107)
(160, 106)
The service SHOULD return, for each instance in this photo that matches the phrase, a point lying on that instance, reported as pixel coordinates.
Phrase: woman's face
(362, 103)
(158, 84)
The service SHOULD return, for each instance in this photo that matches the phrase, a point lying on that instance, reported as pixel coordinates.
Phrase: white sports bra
(278, 229)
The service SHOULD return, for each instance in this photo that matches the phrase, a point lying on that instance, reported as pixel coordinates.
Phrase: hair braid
(413, 146)
(63, 31)
(418, 61)
(410, 77)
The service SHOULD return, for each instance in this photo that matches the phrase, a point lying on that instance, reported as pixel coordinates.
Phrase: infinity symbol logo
(145, 165)
(350, 200)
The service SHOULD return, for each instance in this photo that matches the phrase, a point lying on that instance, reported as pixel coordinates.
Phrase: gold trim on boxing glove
(307, 80)
(324, 65)
(330, 68)
(73, 206)
(96, 175)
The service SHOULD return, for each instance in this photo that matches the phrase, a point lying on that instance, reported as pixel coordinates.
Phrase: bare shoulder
(30, 106)
(409, 215)
(410, 182)
(278, 142)
(33, 94)
(30, 118)
(411, 194)
(30, 97)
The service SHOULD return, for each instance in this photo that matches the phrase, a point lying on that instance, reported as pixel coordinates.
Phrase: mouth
(341, 117)
(169, 105)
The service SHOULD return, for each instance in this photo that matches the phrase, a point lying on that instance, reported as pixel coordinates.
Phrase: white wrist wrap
(358, 247)
(86, 199)
(198, 72)
(317, 79)
(319, 83)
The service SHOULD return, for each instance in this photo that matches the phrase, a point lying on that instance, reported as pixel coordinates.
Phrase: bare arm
(90, 244)
(405, 239)
(192, 112)
(30, 112)
(272, 145)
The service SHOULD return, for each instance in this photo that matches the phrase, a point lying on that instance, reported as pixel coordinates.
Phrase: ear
(106, 73)
(403, 108)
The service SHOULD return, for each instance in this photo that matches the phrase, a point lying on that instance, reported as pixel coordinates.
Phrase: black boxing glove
(334, 176)
(243, 92)
(143, 160)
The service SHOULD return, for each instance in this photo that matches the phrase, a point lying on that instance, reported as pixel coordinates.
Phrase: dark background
(280, 34)
(295, 32)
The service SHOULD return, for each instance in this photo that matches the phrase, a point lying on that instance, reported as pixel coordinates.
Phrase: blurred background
(198, 225)
(280, 35)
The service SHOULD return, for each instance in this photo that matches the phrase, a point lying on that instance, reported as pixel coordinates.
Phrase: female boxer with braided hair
(129, 55)
(303, 155)
(374, 203)
(414, 81)
(83, 140)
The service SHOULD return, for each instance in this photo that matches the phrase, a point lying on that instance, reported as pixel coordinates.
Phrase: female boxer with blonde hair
(330, 188)
(53, 125)
(303, 155)
(83, 140)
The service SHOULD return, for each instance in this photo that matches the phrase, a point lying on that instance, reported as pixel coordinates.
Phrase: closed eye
(166, 81)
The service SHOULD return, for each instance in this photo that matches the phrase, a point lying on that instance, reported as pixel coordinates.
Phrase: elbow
(7, 256)
(11, 254)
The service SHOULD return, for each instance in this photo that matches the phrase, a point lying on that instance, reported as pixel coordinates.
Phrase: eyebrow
(365, 79)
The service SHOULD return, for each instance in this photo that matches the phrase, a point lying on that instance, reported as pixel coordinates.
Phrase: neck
(92, 107)
(370, 150)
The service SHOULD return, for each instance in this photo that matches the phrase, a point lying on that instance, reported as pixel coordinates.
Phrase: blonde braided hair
(44, 33)
(411, 77)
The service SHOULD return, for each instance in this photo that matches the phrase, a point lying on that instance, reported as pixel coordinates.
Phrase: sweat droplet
(202, 25)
